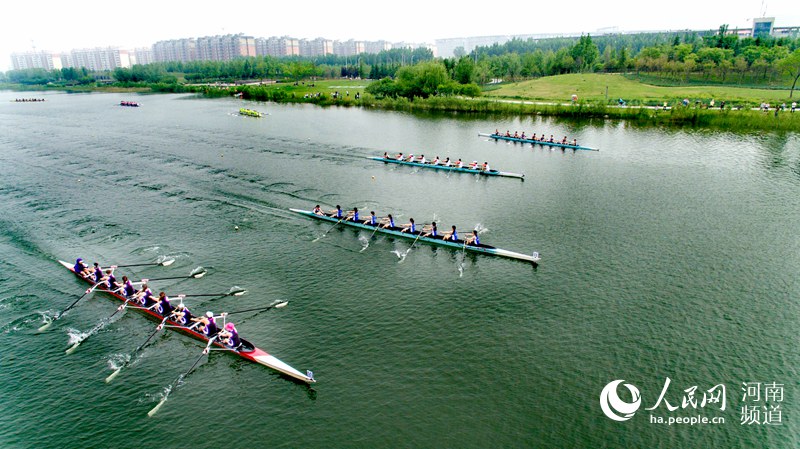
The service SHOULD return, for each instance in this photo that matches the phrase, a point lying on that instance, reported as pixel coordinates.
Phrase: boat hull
(458, 245)
(446, 168)
(256, 355)
(537, 142)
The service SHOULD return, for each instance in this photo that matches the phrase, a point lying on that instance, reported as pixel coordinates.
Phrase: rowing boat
(396, 232)
(247, 350)
(539, 142)
(450, 168)
(249, 112)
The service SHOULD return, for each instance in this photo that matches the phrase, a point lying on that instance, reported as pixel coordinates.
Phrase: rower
(317, 210)
(459, 164)
(421, 159)
(387, 222)
(452, 235)
(336, 213)
(230, 336)
(522, 136)
(81, 269)
(144, 296)
(352, 215)
(432, 232)
(162, 306)
(474, 165)
(127, 287)
(508, 134)
(372, 220)
(410, 157)
(435, 161)
(473, 239)
(206, 324)
(575, 142)
(485, 166)
(399, 156)
(111, 281)
(564, 140)
(516, 135)
(447, 162)
(409, 227)
(181, 315)
(551, 139)
(386, 155)
(533, 137)
(98, 273)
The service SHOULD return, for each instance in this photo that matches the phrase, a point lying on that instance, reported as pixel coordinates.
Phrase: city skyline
(414, 22)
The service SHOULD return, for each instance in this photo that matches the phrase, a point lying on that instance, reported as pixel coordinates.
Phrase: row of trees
(719, 57)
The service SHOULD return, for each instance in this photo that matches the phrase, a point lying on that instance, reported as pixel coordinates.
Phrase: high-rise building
(182, 50)
(348, 48)
(278, 46)
(35, 60)
(225, 48)
(316, 47)
(97, 59)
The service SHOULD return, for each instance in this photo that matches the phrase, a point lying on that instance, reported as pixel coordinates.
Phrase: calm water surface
(668, 254)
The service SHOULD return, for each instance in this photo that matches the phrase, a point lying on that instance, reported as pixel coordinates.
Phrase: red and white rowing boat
(247, 351)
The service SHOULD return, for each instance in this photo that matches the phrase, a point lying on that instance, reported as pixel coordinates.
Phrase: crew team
(436, 161)
(387, 222)
(533, 138)
(143, 298)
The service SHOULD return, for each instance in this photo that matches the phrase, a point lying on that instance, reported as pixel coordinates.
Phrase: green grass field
(595, 87)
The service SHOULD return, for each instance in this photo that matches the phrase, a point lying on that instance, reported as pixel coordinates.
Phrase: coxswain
(372, 220)
(452, 235)
(337, 213)
(317, 210)
(162, 305)
(410, 226)
(230, 336)
(387, 222)
(127, 287)
(485, 166)
(473, 239)
(431, 232)
(352, 215)
(81, 268)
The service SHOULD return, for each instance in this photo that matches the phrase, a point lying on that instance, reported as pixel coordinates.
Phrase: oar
(60, 314)
(97, 327)
(196, 274)
(177, 381)
(329, 230)
(232, 292)
(165, 263)
(136, 351)
(277, 304)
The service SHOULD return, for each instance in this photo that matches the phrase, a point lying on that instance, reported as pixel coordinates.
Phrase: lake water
(668, 254)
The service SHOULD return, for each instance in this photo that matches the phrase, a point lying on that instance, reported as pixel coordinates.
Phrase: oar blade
(157, 407)
(281, 304)
(72, 348)
(113, 375)
(167, 262)
(46, 325)
(238, 293)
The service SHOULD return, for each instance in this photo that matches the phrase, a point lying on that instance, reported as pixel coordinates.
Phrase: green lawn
(593, 87)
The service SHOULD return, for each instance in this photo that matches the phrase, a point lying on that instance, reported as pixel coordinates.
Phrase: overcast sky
(59, 26)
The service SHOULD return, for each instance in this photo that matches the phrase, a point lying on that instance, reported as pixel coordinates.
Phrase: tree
(464, 71)
(791, 65)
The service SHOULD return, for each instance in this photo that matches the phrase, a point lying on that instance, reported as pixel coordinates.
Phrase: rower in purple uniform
(144, 296)
(182, 315)
(207, 325)
(162, 306)
(127, 287)
(98, 273)
(230, 336)
(111, 281)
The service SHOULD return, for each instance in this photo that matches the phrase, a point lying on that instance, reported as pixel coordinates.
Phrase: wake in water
(364, 242)
(23, 323)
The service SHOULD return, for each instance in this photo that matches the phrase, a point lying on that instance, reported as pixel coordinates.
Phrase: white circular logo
(614, 407)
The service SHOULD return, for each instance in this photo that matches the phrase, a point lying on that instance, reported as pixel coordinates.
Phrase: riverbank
(638, 111)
